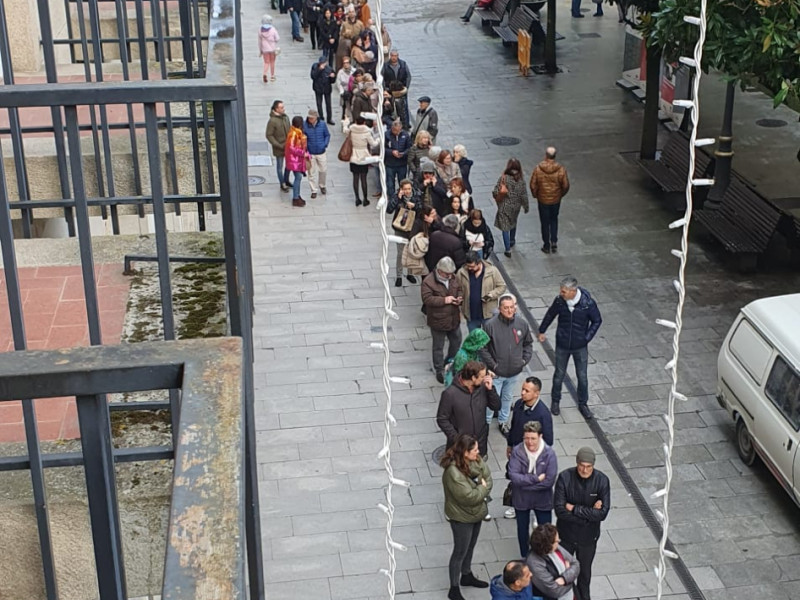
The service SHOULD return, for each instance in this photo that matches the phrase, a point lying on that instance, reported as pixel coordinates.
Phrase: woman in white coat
(363, 138)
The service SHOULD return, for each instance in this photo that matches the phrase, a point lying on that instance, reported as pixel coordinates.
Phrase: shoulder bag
(502, 190)
(404, 220)
(346, 151)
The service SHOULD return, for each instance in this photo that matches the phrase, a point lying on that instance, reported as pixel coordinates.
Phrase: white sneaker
(510, 513)
(488, 517)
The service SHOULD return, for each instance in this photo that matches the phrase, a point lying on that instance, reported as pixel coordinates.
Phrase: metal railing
(205, 538)
(206, 109)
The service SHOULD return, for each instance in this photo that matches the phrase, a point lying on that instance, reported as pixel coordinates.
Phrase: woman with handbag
(414, 252)
(476, 234)
(362, 138)
(553, 569)
(511, 195)
(296, 157)
(467, 483)
(404, 205)
(532, 468)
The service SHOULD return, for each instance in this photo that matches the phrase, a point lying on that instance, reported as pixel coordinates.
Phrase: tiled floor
(54, 314)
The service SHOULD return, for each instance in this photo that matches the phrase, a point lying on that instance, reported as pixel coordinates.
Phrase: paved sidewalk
(319, 404)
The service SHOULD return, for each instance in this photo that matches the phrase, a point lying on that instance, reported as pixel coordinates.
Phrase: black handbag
(507, 496)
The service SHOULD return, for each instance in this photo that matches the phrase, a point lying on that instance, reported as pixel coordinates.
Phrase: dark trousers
(581, 359)
(394, 174)
(468, 15)
(465, 536)
(437, 346)
(327, 106)
(548, 216)
(584, 552)
(524, 527)
(313, 34)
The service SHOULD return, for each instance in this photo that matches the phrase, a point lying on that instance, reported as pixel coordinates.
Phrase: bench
(670, 169)
(744, 223)
(521, 20)
(533, 6)
(493, 14)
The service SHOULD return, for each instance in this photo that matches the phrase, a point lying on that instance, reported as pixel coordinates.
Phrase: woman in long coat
(511, 195)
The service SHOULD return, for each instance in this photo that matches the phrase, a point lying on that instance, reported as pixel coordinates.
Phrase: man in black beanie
(582, 499)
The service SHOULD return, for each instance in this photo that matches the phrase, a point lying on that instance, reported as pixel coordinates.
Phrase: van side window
(783, 389)
(751, 350)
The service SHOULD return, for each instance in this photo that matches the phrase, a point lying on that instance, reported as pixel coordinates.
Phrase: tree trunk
(650, 122)
(550, 39)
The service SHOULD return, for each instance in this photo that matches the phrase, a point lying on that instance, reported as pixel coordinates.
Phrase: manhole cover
(255, 180)
(588, 35)
(505, 141)
(437, 455)
(771, 123)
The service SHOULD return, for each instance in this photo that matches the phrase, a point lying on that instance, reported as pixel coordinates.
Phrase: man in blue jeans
(510, 348)
(295, 8)
(578, 322)
(277, 129)
(398, 143)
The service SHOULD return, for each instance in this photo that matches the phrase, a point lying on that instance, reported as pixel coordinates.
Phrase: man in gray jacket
(510, 348)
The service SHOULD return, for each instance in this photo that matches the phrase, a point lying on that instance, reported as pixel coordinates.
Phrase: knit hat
(322, 59)
(427, 167)
(266, 20)
(585, 455)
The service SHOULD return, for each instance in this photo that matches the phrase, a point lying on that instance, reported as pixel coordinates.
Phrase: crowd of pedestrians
(449, 248)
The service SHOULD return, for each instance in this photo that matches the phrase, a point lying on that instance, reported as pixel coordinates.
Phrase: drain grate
(255, 180)
(437, 455)
(505, 141)
(771, 123)
(588, 35)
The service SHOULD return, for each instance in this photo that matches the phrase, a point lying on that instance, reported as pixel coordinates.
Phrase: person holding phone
(482, 285)
(441, 300)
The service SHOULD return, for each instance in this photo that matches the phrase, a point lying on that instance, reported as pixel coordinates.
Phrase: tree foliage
(754, 42)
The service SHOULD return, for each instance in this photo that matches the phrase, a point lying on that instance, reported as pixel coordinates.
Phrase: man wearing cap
(441, 303)
(318, 139)
(427, 119)
(431, 189)
(322, 77)
(582, 499)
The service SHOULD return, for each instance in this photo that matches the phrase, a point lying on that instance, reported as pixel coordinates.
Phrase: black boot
(455, 593)
(472, 581)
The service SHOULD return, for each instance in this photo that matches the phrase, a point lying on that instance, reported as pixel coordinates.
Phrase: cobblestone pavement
(318, 302)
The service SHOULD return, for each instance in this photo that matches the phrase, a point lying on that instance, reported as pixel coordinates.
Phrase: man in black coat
(396, 70)
(322, 77)
(578, 322)
(462, 406)
(582, 500)
(446, 242)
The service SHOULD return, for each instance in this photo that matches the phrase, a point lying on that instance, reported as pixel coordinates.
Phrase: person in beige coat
(364, 138)
(477, 274)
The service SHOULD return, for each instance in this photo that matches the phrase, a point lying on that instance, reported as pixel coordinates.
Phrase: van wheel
(744, 445)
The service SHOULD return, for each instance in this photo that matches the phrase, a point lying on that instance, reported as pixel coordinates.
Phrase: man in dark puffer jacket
(578, 322)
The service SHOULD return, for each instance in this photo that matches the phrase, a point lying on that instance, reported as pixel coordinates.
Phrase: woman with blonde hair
(464, 164)
(420, 150)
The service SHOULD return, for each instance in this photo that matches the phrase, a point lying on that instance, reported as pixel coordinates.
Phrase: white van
(759, 385)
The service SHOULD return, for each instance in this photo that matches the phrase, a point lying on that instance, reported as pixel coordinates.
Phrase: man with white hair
(446, 242)
(549, 184)
(578, 322)
(441, 302)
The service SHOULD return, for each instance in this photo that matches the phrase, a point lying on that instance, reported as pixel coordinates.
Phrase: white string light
(385, 453)
(693, 105)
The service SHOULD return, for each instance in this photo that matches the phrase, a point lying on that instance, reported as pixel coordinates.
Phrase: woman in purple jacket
(533, 469)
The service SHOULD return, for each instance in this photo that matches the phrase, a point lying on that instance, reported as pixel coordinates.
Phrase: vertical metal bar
(166, 28)
(87, 72)
(158, 49)
(186, 45)
(20, 166)
(159, 34)
(162, 248)
(70, 32)
(101, 489)
(124, 55)
(84, 233)
(141, 36)
(29, 415)
(48, 51)
(230, 141)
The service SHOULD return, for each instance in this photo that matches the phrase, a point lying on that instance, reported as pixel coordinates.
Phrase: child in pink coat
(268, 45)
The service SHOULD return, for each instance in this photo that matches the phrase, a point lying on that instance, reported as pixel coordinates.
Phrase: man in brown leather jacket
(549, 183)
(441, 300)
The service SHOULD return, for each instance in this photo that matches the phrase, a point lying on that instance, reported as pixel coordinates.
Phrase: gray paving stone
(634, 585)
(348, 401)
(633, 539)
(289, 506)
(768, 547)
(353, 500)
(369, 561)
(709, 554)
(291, 590)
(375, 539)
(438, 555)
(301, 485)
(751, 572)
(299, 468)
(311, 419)
(341, 432)
(329, 522)
(366, 586)
(277, 571)
(772, 591)
(614, 563)
(300, 546)
(406, 515)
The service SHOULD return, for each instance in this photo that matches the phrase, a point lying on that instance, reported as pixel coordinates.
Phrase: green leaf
(767, 42)
(780, 97)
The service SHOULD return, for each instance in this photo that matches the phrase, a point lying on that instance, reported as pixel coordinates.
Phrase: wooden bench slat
(521, 20)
